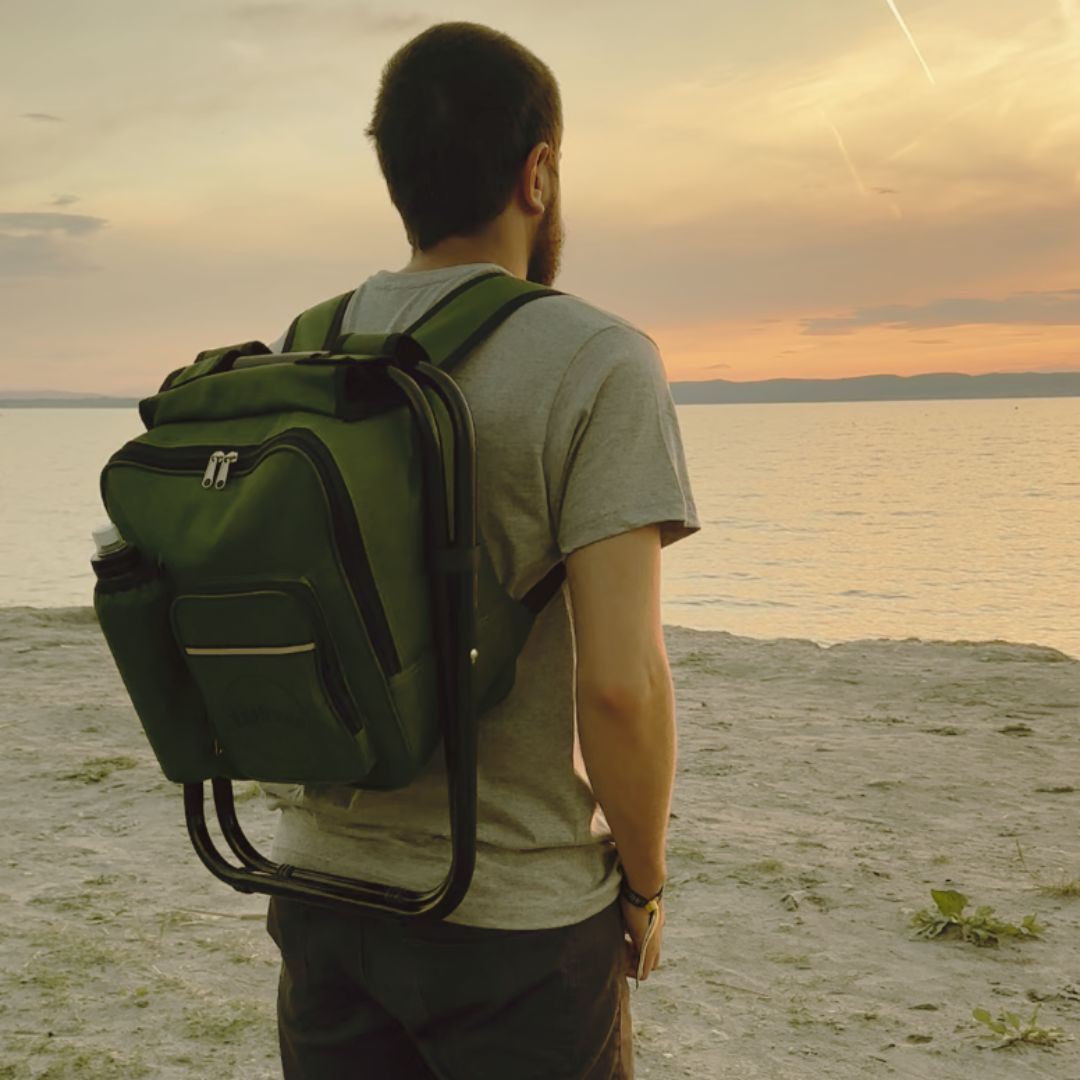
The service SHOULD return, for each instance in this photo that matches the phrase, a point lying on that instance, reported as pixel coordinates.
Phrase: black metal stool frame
(454, 598)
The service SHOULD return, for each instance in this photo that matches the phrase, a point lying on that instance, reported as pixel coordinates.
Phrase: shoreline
(85, 612)
(822, 793)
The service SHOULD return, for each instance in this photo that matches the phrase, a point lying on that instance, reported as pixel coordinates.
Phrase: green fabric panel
(416, 694)
(388, 500)
(265, 619)
(203, 366)
(208, 360)
(317, 388)
(276, 713)
(366, 345)
(314, 324)
(445, 332)
(243, 431)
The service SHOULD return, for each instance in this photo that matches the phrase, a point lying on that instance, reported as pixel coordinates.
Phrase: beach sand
(822, 793)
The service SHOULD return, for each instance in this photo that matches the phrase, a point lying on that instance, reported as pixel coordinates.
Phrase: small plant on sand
(1015, 1031)
(97, 769)
(1065, 887)
(981, 927)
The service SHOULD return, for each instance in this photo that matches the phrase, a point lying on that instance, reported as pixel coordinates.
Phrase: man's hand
(636, 922)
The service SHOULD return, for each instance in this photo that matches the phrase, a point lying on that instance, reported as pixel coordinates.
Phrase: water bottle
(113, 556)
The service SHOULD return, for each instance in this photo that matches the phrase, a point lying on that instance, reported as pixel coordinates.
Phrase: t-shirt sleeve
(613, 457)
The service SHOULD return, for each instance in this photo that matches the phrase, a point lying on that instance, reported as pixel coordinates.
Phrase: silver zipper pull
(216, 458)
(223, 472)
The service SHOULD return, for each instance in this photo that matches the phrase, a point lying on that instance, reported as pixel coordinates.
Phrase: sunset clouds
(770, 189)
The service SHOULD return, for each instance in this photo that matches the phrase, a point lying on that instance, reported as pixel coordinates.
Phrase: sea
(937, 520)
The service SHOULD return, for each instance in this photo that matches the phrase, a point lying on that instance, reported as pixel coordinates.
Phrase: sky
(788, 188)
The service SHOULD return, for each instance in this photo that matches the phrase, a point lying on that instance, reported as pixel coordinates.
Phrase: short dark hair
(459, 109)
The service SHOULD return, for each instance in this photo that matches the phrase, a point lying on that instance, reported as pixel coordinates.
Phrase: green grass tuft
(1017, 1032)
(97, 769)
(981, 927)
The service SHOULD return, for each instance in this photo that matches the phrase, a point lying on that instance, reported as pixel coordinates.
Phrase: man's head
(467, 123)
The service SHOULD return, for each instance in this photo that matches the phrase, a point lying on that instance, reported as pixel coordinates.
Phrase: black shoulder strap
(454, 326)
(447, 331)
(318, 327)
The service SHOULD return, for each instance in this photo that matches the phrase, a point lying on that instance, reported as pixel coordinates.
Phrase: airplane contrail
(860, 186)
(903, 26)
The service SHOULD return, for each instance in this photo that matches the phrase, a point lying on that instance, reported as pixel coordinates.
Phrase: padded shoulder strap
(318, 327)
(465, 316)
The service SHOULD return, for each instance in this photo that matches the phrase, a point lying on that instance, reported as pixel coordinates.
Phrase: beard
(546, 254)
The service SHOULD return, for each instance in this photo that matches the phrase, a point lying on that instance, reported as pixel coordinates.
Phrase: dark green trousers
(369, 997)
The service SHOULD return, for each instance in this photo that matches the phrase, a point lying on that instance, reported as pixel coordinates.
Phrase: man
(580, 461)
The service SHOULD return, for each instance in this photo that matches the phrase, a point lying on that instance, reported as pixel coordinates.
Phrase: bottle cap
(107, 536)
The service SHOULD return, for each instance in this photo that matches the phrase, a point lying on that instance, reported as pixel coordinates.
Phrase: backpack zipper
(223, 469)
(212, 467)
(217, 466)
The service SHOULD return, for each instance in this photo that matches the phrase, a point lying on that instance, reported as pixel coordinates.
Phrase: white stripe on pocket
(268, 650)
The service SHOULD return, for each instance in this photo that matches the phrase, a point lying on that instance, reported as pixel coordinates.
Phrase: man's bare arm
(626, 707)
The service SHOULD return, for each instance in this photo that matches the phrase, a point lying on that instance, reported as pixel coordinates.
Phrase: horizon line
(46, 394)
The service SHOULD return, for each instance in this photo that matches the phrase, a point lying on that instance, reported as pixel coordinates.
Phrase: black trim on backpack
(334, 330)
(537, 598)
(495, 320)
(168, 381)
(229, 357)
(452, 295)
(290, 334)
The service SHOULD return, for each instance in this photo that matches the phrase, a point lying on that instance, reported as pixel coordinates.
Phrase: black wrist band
(635, 898)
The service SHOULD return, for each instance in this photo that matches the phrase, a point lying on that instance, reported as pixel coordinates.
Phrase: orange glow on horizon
(778, 349)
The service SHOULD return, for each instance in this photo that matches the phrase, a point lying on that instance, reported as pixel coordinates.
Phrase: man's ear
(535, 184)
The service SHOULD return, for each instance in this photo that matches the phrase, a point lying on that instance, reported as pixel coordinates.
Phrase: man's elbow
(640, 688)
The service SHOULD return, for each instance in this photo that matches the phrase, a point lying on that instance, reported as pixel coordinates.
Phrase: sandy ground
(822, 794)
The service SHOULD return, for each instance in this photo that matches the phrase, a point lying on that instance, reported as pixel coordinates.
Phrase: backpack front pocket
(272, 684)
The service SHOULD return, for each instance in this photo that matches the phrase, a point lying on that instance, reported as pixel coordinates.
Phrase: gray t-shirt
(577, 441)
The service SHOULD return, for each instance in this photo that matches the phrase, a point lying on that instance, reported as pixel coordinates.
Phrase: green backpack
(305, 597)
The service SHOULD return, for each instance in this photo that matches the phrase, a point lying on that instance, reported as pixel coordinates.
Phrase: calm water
(946, 519)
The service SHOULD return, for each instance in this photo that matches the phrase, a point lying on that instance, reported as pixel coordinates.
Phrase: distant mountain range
(880, 388)
(942, 386)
